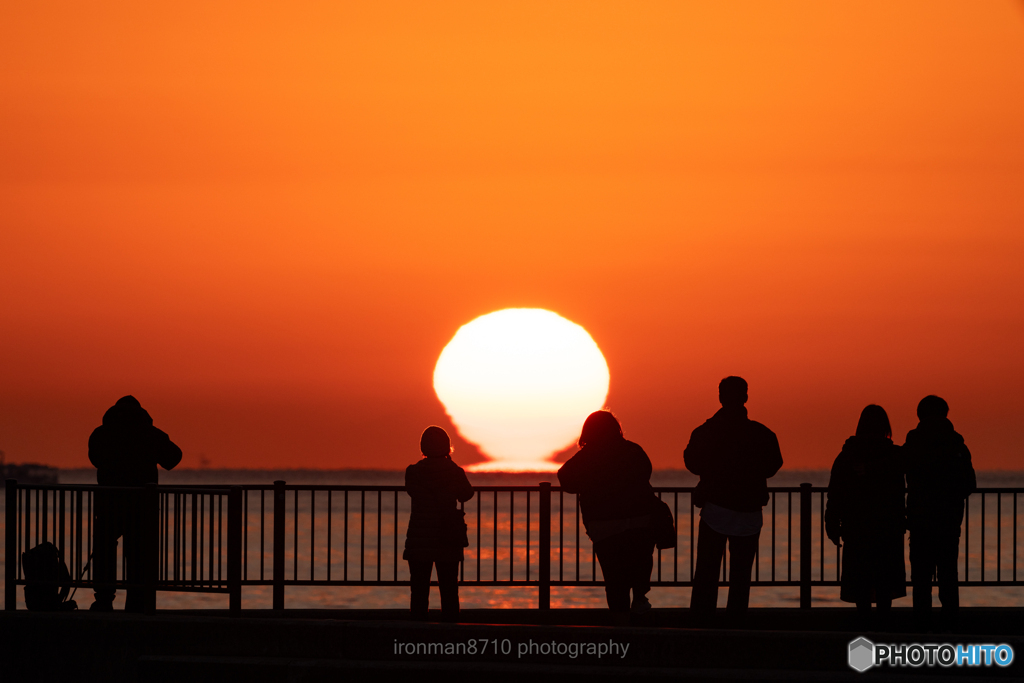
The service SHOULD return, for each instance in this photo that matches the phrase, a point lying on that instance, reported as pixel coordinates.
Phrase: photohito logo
(862, 654)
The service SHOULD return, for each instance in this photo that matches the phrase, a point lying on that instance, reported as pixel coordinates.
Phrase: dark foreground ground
(488, 646)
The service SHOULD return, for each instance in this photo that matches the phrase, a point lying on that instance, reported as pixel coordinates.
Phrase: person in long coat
(437, 528)
(866, 514)
(612, 477)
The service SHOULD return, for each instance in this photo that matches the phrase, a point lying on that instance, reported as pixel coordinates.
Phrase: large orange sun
(519, 383)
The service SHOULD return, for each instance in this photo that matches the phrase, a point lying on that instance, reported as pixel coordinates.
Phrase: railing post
(11, 545)
(544, 549)
(279, 545)
(235, 550)
(79, 564)
(150, 545)
(805, 546)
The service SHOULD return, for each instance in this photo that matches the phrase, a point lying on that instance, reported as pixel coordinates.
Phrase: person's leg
(613, 556)
(131, 550)
(419, 580)
(107, 521)
(741, 561)
(139, 537)
(884, 606)
(947, 554)
(922, 567)
(710, 550)
(643, 565)
(448, 584)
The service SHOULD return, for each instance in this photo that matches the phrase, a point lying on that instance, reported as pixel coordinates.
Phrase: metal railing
(197, 547)
(220, 539)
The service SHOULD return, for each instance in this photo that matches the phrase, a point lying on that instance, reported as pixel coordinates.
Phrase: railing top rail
(771, 489)
(335, 487)
(225, 488)
(518, 487)
(94, 487)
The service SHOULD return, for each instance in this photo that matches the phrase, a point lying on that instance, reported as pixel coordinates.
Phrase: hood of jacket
(127, 413)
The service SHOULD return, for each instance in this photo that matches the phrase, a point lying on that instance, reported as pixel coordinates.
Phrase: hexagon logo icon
(862, 654)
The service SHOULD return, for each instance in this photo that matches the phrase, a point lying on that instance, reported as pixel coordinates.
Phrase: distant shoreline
(370, 470)
(662, 477)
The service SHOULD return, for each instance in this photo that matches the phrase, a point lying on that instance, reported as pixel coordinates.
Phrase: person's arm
(412, 483)
(772, 460)
(463, 489)
(168, 454)
(909, 459)
(834, 503)
(968, 476)
(900, 484)
(571, 475)
(644, 469)
(695, 455)
(98, 454)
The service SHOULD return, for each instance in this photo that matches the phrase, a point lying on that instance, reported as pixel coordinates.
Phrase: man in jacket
(126, 450)
(940, 477)
(734, 457)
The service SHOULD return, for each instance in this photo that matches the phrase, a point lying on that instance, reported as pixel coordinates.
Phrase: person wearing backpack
(126, 451)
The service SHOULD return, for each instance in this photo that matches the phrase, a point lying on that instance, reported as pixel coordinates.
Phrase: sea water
(499, 557)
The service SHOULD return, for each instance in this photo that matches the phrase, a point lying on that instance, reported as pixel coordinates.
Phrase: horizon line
(378, 469)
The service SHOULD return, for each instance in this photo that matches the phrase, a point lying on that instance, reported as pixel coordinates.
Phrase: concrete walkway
(488, 646)
(974, 620)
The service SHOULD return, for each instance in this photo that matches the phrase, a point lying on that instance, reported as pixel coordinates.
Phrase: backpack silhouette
(663, 524)
(47, 579)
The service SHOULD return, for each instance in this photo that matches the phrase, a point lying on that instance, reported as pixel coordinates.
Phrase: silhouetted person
(437, 528)
(126, 450)
(612, 477)
(734, 457)
(940, 477)
(865, 510)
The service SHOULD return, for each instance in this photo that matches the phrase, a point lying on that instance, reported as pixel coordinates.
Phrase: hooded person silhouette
(940, 477)
(126, 451)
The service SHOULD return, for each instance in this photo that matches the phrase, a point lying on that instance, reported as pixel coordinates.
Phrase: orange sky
(266, 222)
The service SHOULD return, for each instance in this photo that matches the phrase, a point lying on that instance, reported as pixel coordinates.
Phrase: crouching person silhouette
(612, 477)
(126, 450)
(437, 527)
(734, 457)
(940, 477)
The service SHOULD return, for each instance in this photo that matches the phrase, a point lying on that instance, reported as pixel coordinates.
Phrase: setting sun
(518, 383)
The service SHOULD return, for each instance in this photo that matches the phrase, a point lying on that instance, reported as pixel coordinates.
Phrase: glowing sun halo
(518, 383)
